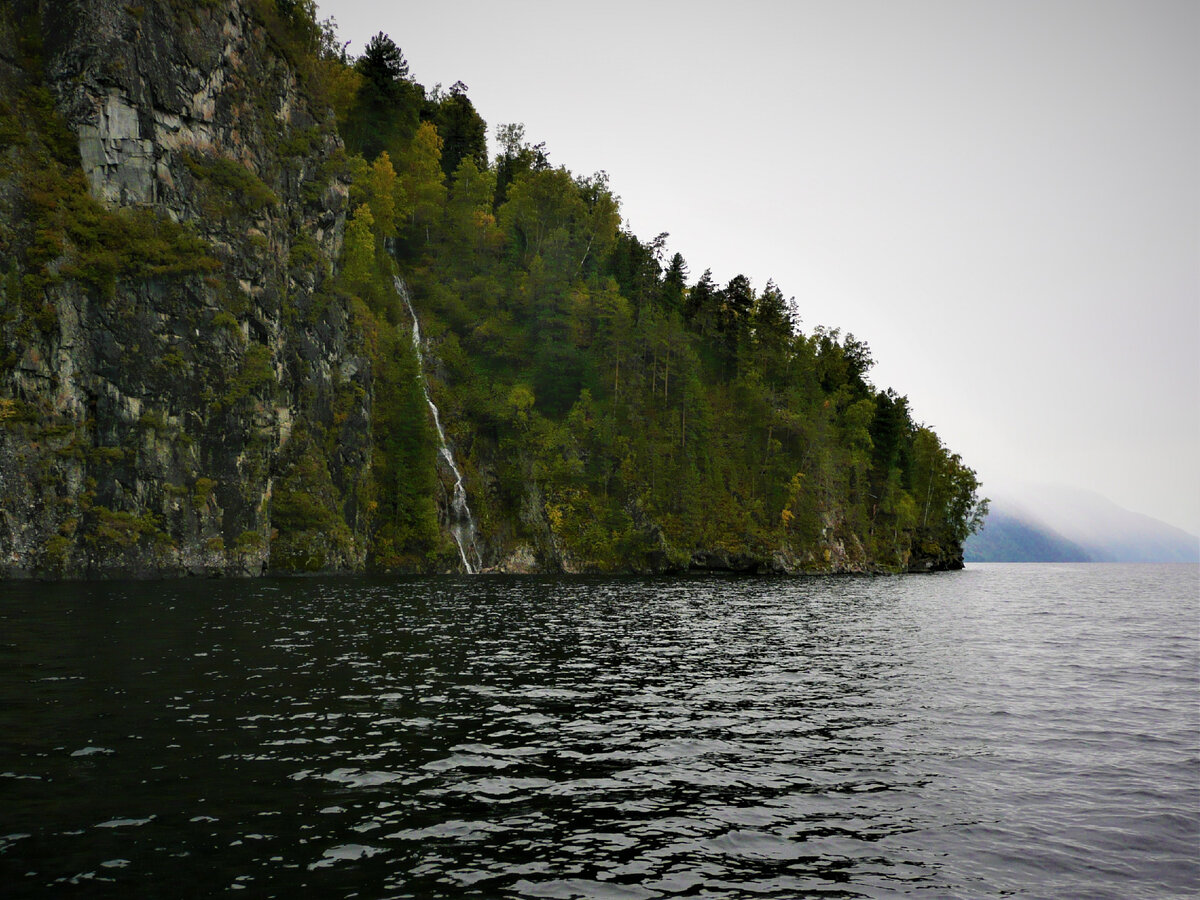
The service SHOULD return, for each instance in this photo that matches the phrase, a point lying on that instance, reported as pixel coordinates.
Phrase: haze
(1002, 199)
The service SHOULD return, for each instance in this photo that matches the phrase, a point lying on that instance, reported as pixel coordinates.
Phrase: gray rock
(133, 441)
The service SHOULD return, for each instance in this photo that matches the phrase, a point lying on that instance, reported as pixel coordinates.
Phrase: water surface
(1006, 730)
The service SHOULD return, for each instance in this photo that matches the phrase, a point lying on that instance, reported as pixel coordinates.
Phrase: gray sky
(1002, 198)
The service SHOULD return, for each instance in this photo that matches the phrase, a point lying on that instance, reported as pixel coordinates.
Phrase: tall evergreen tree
(700, 308)
(462, 129)
(674, 283)
(387, 109)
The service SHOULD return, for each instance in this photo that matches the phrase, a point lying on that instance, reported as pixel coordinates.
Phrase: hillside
(1009, 538)
(1050, 523)
(217, 233)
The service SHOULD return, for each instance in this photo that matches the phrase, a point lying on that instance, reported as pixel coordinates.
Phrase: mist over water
(1007, 729)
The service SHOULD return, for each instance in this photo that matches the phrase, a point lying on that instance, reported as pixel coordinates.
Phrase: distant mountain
(1058, 524)
(1008, 538)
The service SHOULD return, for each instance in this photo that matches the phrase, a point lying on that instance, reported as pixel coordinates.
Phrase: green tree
(674, 284)
(387, 110)
(772, 324)
(462, 130)
(516, 158)
(404, 516)
(540, 204)
(420, 185)
(358, 252)
(701, 308)
(637, 267)
(470, 223)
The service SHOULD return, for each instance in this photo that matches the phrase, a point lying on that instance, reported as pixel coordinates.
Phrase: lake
(1027, 730)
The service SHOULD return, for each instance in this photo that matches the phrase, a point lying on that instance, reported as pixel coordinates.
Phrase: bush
(228, 184)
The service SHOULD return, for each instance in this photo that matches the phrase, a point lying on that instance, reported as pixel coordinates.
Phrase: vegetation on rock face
(256, 401)
(167, 305)
(60, 231)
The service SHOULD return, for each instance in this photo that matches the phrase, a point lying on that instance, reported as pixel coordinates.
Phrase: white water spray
(462, 523)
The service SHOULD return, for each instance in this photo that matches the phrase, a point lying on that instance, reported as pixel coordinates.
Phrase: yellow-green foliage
(54, 552)
(58, 230)
(358, 254)
(305, 254)
(202, 490)
(102, 245)
(255, 375)
(14, 413)
(248, 541)
(228, 185)
(420, 185)
(122, 529)
(226, 320)
(403, 515)
(305, 511)
(382, 196)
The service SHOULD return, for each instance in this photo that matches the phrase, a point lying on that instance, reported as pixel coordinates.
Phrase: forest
(651, 413)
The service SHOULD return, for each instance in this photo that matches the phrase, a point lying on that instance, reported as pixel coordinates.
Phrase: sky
(1001, 198)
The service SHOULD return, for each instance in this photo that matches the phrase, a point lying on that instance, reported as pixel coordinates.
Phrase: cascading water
(462, 523)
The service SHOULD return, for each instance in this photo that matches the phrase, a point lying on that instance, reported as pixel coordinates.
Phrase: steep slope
(172, 209)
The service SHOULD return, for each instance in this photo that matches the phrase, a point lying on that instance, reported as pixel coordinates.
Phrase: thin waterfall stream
(462, 523)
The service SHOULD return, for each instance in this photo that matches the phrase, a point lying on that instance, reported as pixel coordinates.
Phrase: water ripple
(1005, 730)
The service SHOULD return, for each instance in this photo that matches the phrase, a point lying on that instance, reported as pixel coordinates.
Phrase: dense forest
(611, 406)
(583, 369)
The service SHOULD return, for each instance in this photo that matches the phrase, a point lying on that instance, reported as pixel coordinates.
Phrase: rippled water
(1006, 730)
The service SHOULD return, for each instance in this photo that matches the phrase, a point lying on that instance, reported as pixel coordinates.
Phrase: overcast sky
(1001, 198)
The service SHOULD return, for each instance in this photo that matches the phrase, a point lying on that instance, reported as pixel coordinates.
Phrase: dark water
(1007, 730)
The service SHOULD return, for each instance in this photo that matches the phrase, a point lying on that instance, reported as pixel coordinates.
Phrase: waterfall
(462, 523)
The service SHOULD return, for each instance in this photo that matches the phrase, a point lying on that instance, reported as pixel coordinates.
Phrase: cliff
(172, 205)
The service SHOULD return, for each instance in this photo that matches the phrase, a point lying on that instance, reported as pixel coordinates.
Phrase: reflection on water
(1004, 729)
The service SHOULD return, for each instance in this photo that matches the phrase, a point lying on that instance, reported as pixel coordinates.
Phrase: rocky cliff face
(180, 390)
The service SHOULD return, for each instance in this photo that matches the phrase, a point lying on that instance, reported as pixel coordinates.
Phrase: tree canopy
(594, 391)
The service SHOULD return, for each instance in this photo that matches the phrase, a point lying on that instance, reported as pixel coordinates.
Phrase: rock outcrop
(180, 390)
